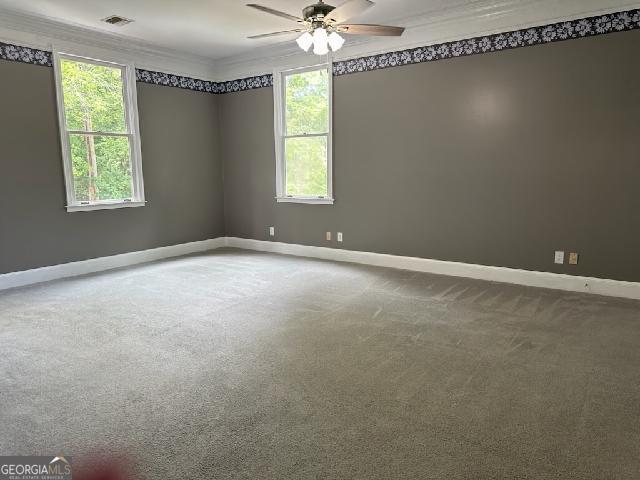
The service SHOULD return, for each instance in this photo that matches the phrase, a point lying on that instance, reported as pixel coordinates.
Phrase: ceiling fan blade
(375, 30)
(275, 34)
(349, 9)
(277, 13)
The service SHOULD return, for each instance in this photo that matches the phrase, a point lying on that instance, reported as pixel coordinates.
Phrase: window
(303, 135)
(97, 112)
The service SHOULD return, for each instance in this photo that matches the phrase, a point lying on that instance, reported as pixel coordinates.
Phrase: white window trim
(133, 133)
(279, 119)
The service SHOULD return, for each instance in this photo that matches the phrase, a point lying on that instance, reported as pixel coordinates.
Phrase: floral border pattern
(169, 80)
(585, 27)
(159, 78)
(249, 83)
(17, 53)
(581, 28)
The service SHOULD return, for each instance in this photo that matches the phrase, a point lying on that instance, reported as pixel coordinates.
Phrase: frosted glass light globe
(320, 42)
(305, 41)
(335, 41)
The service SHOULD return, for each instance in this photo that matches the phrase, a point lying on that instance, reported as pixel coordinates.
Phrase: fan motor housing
(316, 10)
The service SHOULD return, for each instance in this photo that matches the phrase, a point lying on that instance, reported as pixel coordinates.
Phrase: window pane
(101, 167)
(93, 98)
(307, 102)
(306, 159)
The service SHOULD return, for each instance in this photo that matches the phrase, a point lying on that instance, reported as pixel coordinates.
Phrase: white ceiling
(208, 28)
(207, 38)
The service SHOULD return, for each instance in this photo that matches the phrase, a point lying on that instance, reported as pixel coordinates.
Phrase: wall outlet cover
(272, 231)
(573, 258)
(559, 258)
(339, 236)
(328, 237)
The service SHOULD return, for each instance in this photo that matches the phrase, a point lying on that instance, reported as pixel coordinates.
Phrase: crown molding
(485, 17)
(482, 17)
(45, 33)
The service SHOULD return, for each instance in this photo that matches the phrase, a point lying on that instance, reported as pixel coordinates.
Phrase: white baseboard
(570, 283)
(557, 281)
(54, 272)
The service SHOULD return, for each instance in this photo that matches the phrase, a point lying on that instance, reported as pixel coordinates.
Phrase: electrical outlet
(559, 259)
(328, 236)
(272, 231)
(339, 236)
(573, 258)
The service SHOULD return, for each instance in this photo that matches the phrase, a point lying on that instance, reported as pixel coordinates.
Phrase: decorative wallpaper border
(249, 83)
(556, 32)
(159, 78)
(16, 53)
(169, 80)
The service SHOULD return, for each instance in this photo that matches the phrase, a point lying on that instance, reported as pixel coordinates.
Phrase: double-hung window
(99, 132)
(303, 118)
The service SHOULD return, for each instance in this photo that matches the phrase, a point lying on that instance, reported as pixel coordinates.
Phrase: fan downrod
(317, 11)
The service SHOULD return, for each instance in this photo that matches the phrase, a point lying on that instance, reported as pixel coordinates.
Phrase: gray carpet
(256, 366)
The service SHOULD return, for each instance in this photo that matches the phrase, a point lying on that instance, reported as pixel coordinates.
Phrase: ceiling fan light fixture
(322, 23)
(305, 41)
(335, 41)
(320, 41)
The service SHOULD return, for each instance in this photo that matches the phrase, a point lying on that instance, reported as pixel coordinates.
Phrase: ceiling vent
(116, 20)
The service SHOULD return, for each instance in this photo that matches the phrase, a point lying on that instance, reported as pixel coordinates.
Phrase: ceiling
(206, 39)
(212, 29)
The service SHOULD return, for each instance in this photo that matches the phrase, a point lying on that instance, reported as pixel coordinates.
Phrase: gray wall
(182, 175)
(495, 159)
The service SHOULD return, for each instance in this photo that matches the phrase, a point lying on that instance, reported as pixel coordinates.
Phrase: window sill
(312, 200)
(103, 206)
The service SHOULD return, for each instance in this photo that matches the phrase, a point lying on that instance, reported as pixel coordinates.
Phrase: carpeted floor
(245, 365)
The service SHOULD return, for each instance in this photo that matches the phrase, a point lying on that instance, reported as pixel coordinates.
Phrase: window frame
(130, 99)
(279, 85)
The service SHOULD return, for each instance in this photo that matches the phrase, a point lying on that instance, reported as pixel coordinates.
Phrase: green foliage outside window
(94, 102)
(307, 112)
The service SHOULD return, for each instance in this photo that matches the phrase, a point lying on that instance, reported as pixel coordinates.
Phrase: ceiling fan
(321, 25)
